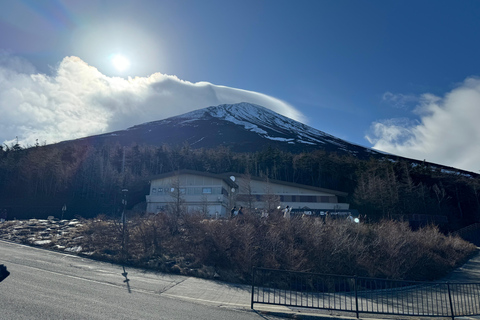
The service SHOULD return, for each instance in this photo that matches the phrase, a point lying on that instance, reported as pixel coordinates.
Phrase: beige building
(193, 190)
(216, 194)
(258, 193)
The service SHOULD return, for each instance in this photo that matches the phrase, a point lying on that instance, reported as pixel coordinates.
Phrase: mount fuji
(242, 127)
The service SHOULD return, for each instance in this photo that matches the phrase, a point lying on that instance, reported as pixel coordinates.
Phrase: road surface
(50, 285)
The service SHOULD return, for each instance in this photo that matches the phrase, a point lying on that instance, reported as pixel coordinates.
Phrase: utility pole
(124, 223)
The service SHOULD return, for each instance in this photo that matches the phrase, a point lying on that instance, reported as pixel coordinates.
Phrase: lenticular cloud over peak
(78, 101)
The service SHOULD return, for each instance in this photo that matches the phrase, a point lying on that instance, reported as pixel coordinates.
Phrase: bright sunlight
(120, 62)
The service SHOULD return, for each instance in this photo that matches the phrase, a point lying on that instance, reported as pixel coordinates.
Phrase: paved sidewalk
(220, 294)
(212, 292)
(469, 272)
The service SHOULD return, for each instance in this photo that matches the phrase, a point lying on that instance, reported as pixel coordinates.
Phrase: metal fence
(365, 295)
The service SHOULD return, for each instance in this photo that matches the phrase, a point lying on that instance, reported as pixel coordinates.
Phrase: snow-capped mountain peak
(266, 123)
(242, 127)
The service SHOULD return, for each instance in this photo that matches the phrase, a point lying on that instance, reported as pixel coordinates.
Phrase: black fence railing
(365, 295)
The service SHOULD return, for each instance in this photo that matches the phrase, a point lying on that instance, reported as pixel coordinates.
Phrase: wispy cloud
(447, 132)
(398, 100)
(78, 100)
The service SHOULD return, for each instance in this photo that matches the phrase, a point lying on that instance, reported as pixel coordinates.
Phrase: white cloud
(448, 131)
(78, 101)
(398, 100)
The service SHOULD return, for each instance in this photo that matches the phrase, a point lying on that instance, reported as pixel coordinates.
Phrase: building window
(307, 199)
(325, 199)
(224, 192)
(154, 190)
(160, 190)
(207, 190)
(182, 190)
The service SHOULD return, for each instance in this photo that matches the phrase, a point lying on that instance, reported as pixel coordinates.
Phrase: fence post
(450, 299)
(356, 297)
(253, 287)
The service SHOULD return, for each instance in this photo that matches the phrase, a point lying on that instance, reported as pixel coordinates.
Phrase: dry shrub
(389, 251)
(147, 235)
(102, 238)
(230, 248)
(395, 251)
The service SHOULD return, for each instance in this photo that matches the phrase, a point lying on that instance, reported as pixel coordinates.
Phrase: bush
(230, 248)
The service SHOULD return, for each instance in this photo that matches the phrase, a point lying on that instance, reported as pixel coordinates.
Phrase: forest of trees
(37, 181)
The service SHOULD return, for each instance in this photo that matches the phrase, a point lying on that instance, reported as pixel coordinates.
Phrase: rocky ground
(62, 235)
(69, 236)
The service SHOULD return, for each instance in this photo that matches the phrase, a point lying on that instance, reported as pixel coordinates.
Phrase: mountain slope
(241, 127)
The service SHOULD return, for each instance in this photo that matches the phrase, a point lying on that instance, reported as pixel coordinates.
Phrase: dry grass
(229, 248)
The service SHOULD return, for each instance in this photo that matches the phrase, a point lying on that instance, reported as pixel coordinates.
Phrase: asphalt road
(50, 285)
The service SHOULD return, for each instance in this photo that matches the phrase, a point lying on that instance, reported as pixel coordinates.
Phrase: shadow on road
(127, 281)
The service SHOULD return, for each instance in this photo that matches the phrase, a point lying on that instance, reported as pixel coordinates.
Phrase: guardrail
(365, 295)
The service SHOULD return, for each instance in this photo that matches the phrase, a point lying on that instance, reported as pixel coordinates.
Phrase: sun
(120, 62)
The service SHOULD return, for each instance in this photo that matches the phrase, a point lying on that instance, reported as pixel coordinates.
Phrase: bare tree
(247, 193)
(177, 207)
(270, 199)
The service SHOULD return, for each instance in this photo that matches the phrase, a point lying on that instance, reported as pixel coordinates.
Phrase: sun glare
(120, 62)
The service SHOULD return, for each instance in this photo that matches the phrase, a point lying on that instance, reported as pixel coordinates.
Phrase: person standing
(286, 212)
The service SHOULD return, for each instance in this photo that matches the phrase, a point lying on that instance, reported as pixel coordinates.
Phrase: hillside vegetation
(39, 180)
(228, 249)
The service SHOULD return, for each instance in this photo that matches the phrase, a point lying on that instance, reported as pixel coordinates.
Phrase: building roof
(298, 185)
(225, 178)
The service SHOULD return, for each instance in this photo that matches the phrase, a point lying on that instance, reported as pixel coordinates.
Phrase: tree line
(37, 181)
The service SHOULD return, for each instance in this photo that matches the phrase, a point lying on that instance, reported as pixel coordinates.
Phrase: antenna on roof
(232, 178)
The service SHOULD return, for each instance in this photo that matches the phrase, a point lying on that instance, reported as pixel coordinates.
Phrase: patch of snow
(278, 138)
(307, 142)
(188, 121)
(74, 249)
(197, 141)
(42, 242)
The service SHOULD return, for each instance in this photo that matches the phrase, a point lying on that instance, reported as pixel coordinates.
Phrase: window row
(289, 198)
(191, 190)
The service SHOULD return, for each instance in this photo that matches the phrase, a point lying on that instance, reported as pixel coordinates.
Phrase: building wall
(213, 195)
(199, 193)
(293, 196)
(262, 187)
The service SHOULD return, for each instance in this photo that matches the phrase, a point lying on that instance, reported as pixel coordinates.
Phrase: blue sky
(400, 76)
